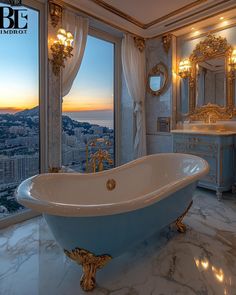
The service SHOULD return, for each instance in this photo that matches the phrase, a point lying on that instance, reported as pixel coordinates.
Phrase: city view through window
(19, 119)
(88, 121)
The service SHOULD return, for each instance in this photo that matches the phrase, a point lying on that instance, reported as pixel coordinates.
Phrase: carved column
(54, 105)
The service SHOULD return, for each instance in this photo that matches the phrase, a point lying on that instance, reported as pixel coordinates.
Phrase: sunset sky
(19, 86)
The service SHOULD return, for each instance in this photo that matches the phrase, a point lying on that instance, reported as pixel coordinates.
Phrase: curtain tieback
(138, 107)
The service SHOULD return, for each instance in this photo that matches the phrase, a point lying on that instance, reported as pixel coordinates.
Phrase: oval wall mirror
(157, 79)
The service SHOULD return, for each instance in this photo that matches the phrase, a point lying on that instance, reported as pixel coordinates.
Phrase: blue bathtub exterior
(115, 234)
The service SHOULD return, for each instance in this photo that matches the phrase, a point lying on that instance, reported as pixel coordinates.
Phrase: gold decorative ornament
(55, 11)
(159, 70)
(166, 42)
(181, 227)
(90, 264)
(111, 184)
(140, 43)
(61, 50)
(211, 113)
(211, 47)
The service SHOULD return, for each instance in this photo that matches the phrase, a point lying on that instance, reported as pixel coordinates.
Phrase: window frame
(43, 82)
(94, 32)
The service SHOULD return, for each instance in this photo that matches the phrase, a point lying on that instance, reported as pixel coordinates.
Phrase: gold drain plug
(111, 184)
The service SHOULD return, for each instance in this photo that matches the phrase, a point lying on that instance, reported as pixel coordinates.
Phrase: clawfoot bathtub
(96, 217)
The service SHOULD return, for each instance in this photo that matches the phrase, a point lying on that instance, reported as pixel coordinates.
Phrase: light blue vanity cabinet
(217, 150)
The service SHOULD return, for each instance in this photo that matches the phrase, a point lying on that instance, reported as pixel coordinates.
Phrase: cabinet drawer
(179, 147)
(201, 139)
(208, 148)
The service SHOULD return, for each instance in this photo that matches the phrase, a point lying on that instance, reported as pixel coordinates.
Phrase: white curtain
(78, 26)
(134, 68)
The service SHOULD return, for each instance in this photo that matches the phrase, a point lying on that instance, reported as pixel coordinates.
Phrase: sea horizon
(102, 117)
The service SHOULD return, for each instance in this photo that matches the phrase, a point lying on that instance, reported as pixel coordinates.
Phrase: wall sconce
(184, 68)
(232, 62)
(61, 50)
(232, 66)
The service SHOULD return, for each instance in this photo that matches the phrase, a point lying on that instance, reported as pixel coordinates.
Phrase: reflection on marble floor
(202, 261)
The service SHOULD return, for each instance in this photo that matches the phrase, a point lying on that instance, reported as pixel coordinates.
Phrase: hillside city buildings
(19, 151)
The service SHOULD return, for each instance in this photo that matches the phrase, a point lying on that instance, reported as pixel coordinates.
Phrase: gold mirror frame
(157, 69)
(211, 47)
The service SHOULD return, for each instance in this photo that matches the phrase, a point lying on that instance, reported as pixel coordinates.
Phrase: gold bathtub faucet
(98, 158)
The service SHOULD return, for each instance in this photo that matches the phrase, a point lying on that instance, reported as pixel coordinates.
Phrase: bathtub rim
(25, 198)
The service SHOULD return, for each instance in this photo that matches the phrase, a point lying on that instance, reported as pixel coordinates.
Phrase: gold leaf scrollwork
(209, 47)
(211, 113)
(140, 43)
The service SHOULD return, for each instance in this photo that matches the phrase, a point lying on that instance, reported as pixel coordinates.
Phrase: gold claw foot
(90, 263)
(181, 227)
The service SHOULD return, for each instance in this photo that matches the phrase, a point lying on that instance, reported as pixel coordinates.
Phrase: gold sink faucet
(211, 118)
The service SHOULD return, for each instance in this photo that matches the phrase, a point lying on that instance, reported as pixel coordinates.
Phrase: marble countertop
(205, 132)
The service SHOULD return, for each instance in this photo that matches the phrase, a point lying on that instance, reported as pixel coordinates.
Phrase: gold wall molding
(120, 28)
(131, 19)
(90, 264)
(196, 13)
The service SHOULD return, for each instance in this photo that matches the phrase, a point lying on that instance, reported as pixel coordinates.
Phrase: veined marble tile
(202, 261)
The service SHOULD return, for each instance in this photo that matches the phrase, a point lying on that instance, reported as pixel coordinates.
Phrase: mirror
(157, 79)
(211, 82)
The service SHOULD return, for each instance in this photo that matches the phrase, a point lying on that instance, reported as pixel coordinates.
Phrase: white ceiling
(149, 18)
(146, 11)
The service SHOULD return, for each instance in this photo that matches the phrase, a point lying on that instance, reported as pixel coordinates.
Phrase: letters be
(13, 16)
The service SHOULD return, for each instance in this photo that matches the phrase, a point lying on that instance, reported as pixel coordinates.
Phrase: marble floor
(201, 262)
